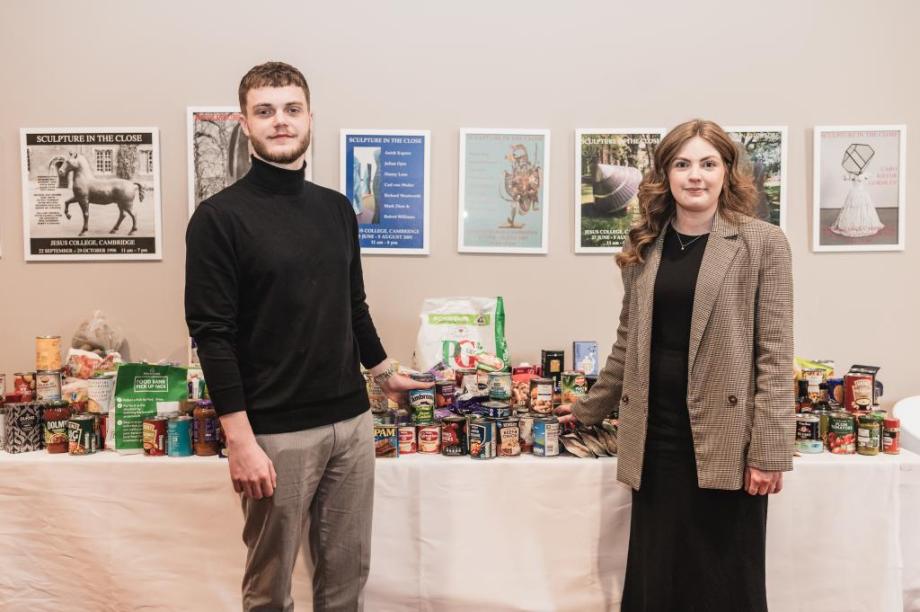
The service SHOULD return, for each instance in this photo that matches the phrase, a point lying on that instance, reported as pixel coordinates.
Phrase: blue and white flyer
(385, 176)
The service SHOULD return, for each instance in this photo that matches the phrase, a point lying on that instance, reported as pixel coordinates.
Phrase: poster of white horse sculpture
(91, 194)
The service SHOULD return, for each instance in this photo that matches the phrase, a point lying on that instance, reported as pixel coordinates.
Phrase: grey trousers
(323, 503)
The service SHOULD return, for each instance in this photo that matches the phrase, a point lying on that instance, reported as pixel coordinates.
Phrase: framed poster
(504, 187)
(859, 188)
(385, 176)
(218, 152)
(764, 152)
(609, 165)
(91, 194)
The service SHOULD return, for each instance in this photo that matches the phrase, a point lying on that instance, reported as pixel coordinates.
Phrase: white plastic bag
(457, 329)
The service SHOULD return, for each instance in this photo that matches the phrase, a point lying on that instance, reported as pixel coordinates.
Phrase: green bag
(139, 387)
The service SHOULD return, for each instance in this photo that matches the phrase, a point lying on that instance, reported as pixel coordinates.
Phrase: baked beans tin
(573, 385)
(179, 436)
(24, 386)
(444, 394)
(891, 436)
(55, 418)
(82, 434)
(868, 435)
(508, 437)
(48, 353)
(421, 401)
(48, 385)
(541, 395)
(841, 433)
(857, 391)
(429, 438)
(481, 439)
(408, 442)
(500, 386)
(23, 427)
(497, 410)
(156, 432)
(526, 425)
(546, 436)
(808, 434)
(453, 436)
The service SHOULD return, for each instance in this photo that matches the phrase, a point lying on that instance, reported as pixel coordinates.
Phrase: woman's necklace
(683, 246)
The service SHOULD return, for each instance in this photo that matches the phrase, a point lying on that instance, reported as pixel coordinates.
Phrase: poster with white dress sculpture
(859, 188)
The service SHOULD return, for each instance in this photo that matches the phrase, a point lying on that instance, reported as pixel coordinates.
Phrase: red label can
(891, 436)
(857, 391)
(155, 435)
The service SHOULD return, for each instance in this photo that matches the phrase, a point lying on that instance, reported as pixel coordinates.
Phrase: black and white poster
(91, 194)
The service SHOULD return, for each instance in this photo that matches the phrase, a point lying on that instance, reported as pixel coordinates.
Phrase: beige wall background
(443, 66)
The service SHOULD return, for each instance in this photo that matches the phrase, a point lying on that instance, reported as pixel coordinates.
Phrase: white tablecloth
(109, 532)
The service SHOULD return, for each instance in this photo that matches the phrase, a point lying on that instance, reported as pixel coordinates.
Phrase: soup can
(858, 391)
(48, 353)
(481, 438)
(541, 395)
(453, 436)
(546, 436)
(429, 438)
(82, 434)
(421, 401)
(408, 442)
(500, 386)
(808, 433)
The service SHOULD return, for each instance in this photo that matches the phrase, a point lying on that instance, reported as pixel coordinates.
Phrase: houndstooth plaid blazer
(739, 391)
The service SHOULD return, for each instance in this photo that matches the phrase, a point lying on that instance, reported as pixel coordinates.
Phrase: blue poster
(385, 176)
(504, 176)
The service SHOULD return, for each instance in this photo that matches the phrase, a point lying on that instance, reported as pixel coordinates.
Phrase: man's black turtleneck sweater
(274, 298)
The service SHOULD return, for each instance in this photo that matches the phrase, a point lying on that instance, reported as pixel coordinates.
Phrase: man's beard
(282, 157)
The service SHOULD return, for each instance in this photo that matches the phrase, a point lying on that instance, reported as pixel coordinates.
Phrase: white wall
(443, 66)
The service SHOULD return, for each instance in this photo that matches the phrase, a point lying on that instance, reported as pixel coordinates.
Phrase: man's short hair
(272, 74)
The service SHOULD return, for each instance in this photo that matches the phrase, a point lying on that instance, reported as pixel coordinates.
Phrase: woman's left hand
(759, 482)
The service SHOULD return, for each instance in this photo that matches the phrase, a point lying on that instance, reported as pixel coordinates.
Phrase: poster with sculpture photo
(609, 164)
(763, 154)
(504, 187)
(859, 188)
(218, 152)
(385, 176)
(91, 194)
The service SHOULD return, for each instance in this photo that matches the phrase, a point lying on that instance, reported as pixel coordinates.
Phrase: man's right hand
(251, 470)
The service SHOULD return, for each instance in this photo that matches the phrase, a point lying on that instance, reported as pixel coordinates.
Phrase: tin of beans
(808, 434)
(526, 425)
(82, 434)
(429, 438)
(573, 385)
(55, 420)
(481, 439)
(453, 436)
(891, 436)
(497, 410)
(541, 395)
(508, 437)
(408, 442)
(546, 436)
(841, 433)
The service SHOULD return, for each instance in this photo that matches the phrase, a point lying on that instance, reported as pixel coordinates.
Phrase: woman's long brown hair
(656, 203)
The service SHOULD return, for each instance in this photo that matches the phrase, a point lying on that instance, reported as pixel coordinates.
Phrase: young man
(274, 298)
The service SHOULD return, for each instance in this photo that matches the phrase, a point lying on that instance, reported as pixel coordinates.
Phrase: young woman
(701, 371)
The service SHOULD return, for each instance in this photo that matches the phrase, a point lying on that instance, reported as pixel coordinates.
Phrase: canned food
(541, 395)
(808, 433)
(526, 425)
(500, 386)
(444, 394)
(482, 439)
(48, 385)
(841, 433)
(835, 391)
(179, 436)
(546, 436)
(407, 439)
(82, 434)
(156, 432)
(857, 391)
(466, 381)
(421, 401)
(891, 436)
(386, 440)
(573, 385)
(823, 422)
(56, 419)
(24, 386)
(508, 437)
(429, 438)
(23, 427)
(497, 410)
(48, 353)
(815, 379)
(868, 436)
(453, 436)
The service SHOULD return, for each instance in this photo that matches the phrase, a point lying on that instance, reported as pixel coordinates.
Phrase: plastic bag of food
(98, 334)
(144, 390)
(456, 330)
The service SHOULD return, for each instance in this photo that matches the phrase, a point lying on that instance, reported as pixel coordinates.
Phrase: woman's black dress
(690, 549)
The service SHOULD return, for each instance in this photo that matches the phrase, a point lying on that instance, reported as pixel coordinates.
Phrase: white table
(113, 532)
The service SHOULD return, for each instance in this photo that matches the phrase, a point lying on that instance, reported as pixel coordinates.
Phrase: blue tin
(546, 437)
(179, 437)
